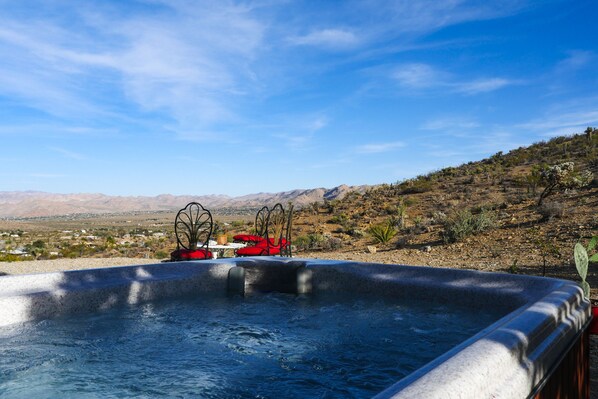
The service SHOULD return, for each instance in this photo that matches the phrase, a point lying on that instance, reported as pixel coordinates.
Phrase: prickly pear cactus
(581, 263)
(586, 289)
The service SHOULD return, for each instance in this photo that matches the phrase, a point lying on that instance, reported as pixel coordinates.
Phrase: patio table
(220, 251)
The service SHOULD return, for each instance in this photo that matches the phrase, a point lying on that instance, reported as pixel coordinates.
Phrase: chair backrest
(193, 224)
(275, 226)
(261, 220)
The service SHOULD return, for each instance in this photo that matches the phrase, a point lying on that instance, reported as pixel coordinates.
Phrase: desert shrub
(463, 224)
(237, 224)
(420, 225)
(332, 243)
(550, 210)
(160, 255)
(339, 219)
(404, 241)
(420, 184)
(301, 242)
(489, 206)
(317, 241)
(561, 177)
(356, 233)
(383, 233)
(11, 258)
(438, 217)
(79, 250)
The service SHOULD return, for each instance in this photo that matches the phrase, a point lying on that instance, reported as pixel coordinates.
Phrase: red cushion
(262, 243)
(257, 251)
(190, 254)
(247, 238)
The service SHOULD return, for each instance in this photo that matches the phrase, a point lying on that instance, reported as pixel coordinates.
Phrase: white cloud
(68, 154)
(298, 132)
(189, 65)
(560, 123)
(318, 123)
(575, 60)
(338, 39)
(420, 76)
(482, 85)
(426, 16)
(417, 76)
(46, 175)
(375, 148)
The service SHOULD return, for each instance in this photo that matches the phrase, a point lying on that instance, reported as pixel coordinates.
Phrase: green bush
(420, 184)
(316, 241)
(463, 224)
(301, 242)
(383, 233)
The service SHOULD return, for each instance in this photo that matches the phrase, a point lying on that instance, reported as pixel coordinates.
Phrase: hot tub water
(262, 346)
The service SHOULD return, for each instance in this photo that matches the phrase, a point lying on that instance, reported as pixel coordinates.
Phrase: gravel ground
(44, 266)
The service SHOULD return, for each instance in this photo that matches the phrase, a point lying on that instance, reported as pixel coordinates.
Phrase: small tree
(533, 179)
(561, 177)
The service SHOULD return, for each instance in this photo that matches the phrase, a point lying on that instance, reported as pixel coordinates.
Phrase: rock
(371, 249)
(427, 248)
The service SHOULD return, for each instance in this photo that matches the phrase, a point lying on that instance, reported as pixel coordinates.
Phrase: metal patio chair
(260, 229)
(193, 226)
(277, 234)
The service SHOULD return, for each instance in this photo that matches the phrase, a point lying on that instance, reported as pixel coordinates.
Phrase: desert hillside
(482, 215)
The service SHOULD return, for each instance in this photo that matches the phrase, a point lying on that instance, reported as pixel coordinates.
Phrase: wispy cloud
(482, 85)
(304, 129)
(46, 175)
(68, 154)
(375, 148)
(562, 123)
(450, 124)
(575, 60)
(193, 65)
(182, 62)
(318, 123)
(425, 16)
(420, 76)
(56, 130)
(336, 39)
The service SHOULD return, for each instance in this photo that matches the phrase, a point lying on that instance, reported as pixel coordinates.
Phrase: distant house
(18, 252)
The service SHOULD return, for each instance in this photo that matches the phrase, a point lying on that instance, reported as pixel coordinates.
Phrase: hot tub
(536, 345)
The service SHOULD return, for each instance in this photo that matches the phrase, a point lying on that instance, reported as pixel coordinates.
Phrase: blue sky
(222, 97)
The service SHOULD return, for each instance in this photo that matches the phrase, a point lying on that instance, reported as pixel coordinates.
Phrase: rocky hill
(484, 215)
(39, 204)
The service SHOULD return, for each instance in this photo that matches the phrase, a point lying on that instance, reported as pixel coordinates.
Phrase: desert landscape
(503, 214)
(483, 215)
(439, 158)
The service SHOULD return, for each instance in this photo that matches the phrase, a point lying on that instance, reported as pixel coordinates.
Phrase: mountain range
(23, 204)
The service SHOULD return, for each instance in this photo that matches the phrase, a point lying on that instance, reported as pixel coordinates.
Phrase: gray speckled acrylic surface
(505, 360)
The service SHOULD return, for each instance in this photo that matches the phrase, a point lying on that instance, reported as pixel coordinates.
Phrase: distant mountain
(18, 204)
